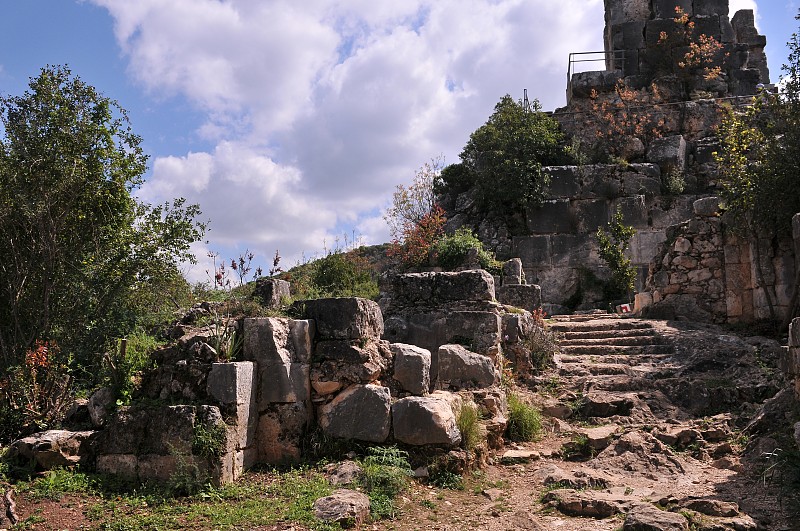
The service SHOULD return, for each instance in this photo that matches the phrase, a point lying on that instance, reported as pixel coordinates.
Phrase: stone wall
(707, 272)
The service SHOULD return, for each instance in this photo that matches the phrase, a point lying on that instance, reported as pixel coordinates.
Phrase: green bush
(524, 420)
(452, 250)
(612, 246)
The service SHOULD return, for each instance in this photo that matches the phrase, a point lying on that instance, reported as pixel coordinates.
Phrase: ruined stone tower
(633, 29)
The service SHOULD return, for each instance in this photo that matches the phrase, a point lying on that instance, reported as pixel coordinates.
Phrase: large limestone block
(284, 384)
(528, 297)
(120, 465)
(668, 152)
(360, 412)
(437, 289)
(552, 216)
(302, 337)
(272, 292)
(711, 7)
(648, 517)
(412, 368)
(619, 11)
(666, 8)
(170, 430)
(231, 383)
(425, 420)
(266, 340)
(344, 318)
(125, 431)
(459, 368)
(280, 432)
(535, 250)
(341, 363)
(565, 181)
(512, 272)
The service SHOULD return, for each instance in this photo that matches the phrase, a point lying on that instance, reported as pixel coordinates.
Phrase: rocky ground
(647, 419)
(650, 425)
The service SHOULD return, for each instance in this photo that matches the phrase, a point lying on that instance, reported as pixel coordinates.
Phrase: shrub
(524, 420)
(452, 251)
(613, 245)
(542, 344)
(415, 247)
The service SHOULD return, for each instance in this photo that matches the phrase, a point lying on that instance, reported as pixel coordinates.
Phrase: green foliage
(503, 158)
(673, 183)
(445, 479)
(759, 154)
(209, 441)
(83, 258)
(386, 473)
(123, 364)
(524, 420)
(612, 247)
(55, 483)
(418, 240)
(339, 273)
(452, 250)
(468, 420)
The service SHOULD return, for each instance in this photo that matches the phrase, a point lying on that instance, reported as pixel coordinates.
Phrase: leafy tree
(83, 259)
(415, 246)
(758, 163)
(410, 204)
(503, 158)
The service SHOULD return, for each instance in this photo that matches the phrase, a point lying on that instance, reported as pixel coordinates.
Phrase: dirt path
(644, 432)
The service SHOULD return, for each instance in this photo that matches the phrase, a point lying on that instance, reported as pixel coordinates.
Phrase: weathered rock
(272, 292)
(669, 153)
(797, 434)
(359, 412)
(345, 507)
(600, 437)
(593, 504)
(437, 289)
(55, 448)
(345, 473)
(425, 420)
(706, 207)
(279, 433)
(711, 507)
(100, 403)
(459, 368)
(577, 479)
(513, 273)
(231, 383)
(343, 318)
(412, 368)
(601, 404)
(528, 297)
(647, 517)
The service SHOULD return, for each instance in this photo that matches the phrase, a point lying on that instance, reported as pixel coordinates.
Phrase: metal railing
(612, 60)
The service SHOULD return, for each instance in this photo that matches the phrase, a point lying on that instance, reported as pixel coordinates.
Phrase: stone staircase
(606, 345)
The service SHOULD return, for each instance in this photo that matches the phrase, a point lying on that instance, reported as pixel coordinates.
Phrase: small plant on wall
(613, 243)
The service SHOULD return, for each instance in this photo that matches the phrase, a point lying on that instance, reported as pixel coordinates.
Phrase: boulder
(412, 368)
(55, 448)
(589, 503)
(360, 412)
(459, 368)
(343, 318)
(272, 292)
(425, 420)
(706, 207)
(669, 153)
(100, 403)
(346, 507)
(513, 273)
(647, 517)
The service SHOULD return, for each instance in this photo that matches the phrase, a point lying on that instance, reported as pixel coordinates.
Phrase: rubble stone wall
(707, 272)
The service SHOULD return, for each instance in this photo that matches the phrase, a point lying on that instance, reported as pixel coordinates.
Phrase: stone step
(600, 325)
(604, 334)
(603, 350)
(618, 341)
(625, 359)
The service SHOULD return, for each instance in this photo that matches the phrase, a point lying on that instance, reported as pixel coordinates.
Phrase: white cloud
(319, 108)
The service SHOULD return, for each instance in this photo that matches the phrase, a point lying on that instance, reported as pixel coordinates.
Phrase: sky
(291, 122)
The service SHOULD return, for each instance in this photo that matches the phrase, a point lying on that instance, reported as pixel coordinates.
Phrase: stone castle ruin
(401, 371)
(337, 371)
(652, 115)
